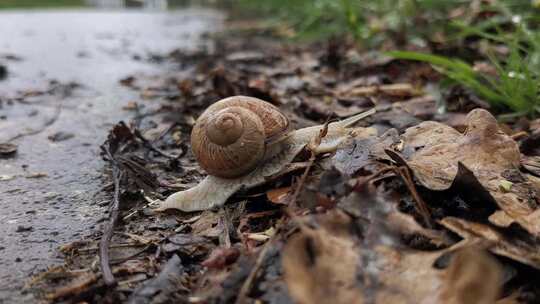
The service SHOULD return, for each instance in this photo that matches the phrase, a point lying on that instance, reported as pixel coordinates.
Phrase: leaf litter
(420, 213)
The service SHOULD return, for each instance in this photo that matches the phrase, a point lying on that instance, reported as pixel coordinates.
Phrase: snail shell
(231, 136)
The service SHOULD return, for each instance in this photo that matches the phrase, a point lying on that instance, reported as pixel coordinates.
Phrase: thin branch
(108, 276)
(300, 184)
(150, 146)
(421, 206)
(312, 146)
(246, 287)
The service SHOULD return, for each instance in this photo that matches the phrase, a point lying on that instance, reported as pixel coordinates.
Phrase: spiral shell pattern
(229, 139)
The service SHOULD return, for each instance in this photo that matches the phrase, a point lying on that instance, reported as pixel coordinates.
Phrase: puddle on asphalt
(50, 190)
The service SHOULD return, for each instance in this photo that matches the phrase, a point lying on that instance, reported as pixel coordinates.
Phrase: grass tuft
(514, 86)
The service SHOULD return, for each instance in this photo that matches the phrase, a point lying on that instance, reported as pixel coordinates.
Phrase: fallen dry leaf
(434, 151)
(360, 202)
(473, 277)
(207, 225)
(311, 271)
(328, 265)
(396, 89)
(279, 195)
(531, 164)
(521, 250)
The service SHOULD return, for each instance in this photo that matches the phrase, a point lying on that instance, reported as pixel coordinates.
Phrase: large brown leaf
(329, 265)
(434, 151)
(515, 248)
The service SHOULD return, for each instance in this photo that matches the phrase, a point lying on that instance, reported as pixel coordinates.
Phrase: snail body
(235, 160)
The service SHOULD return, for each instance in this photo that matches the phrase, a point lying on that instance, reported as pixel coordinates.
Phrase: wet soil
(339, 218)
(60, 95)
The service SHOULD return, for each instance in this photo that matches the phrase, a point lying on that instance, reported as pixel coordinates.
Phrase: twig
(81, 288)
(375, 176)
(165, 132)
(311, 146)
(225, 237)
(150, 203)
(300, 184)
(150, 146)
(84, 250)
(242, 295)
(53, 272)
(74, 288)
(421, 206)
(246, 287)
(519, 135)
(108, 276)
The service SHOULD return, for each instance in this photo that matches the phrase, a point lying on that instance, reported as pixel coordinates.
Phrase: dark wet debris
(11, 57)
(7, 149)
(3, 72)
(164, 287)
(60, 136)
(406, 201)
(22, 228)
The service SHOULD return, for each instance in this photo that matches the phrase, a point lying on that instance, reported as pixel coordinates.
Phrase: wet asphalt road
(50, 191)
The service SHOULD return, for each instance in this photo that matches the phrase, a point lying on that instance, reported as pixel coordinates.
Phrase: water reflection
(147, 4)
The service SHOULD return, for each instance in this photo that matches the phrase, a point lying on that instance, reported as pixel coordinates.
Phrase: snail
(240, 141)
(230, 138)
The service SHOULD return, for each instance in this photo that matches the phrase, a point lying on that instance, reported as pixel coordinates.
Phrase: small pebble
(22, 228)
(60, 136)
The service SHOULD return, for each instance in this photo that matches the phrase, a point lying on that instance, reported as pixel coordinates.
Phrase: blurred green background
(454, 36)
(491, 47)
(40, 3)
